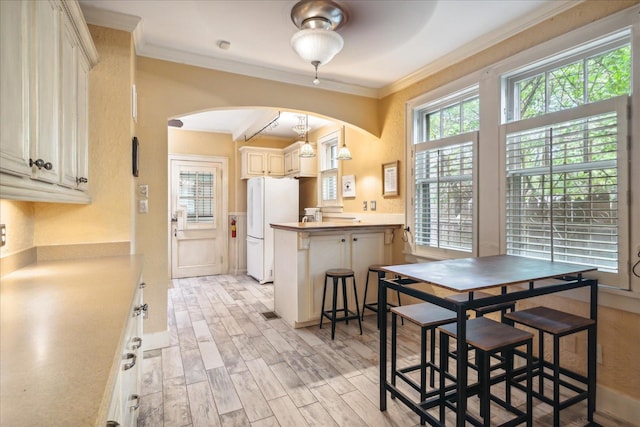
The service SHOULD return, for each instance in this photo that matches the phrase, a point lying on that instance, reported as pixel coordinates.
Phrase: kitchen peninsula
(305, 250)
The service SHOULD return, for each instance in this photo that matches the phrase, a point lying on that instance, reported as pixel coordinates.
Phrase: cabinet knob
(355, 239)
(142, 284)
(113, 424)
(37, 163)
(141, 309)
(136, 343)
(135, 398)
(48, 166)
(129, 365)
(81, 180)
(342, 240)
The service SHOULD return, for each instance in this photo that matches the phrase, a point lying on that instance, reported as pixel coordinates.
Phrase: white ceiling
(388, 44)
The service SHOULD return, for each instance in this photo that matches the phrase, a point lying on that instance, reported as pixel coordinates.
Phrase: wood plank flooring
(227, 365)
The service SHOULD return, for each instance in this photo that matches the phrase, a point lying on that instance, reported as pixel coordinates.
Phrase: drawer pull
(135, 398)
(131, 364)
(342, 240)
(113, 424)
(142, 284)
(136, 343)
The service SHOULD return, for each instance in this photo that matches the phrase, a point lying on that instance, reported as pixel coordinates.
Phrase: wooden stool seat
(550, 321)
(489, 337)
(558, 324)
(481, 311)
(377, 268)
(339, 272)
(425, 315)
(339, 277)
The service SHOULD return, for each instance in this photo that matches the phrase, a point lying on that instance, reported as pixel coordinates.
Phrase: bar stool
(489, 337)
(558, 324)
(340, 274)
(373, 306)
(428, 317)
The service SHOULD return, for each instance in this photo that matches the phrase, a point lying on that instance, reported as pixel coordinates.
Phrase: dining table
(515, 277)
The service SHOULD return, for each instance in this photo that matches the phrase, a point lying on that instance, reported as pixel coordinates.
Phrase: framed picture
(134, 156)
(390, 184)
(349, 186)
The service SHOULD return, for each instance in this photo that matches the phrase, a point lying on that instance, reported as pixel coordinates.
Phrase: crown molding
(481, 43)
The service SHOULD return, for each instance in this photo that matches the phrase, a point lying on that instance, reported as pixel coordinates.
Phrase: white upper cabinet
(257, 161)
(297, 166)
(47, 53)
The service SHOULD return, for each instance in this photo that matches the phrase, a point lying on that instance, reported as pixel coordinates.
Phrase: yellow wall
(19, 217)
(108, 217)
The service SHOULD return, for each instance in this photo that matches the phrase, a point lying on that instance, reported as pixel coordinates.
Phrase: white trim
(155, 340)
(616, 405)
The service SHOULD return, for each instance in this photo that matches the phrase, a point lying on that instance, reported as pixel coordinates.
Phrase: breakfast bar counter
(305, 250)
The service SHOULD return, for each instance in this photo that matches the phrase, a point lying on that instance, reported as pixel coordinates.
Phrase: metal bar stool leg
(345, 308)
(355, 296)
(333, 309)
(324, 295)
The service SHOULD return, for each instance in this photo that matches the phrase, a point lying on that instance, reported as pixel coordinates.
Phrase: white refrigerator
(269, 200)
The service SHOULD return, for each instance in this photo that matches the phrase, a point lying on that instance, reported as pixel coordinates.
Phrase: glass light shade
(306, 150)
(344, 153)
(317, 44)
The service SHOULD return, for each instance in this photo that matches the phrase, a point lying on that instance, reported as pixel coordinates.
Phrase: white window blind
(444, 193)
(197, 196)
(564, 177)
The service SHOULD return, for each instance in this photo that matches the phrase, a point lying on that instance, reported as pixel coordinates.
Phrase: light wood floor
(227, 365)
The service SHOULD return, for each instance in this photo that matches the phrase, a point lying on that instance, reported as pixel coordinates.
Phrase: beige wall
(19, 217)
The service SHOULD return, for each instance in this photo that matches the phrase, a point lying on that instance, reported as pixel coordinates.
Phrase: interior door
(198, 230)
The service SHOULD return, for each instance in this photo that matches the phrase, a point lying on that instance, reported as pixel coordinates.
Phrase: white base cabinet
(125, 399)
(299, 284)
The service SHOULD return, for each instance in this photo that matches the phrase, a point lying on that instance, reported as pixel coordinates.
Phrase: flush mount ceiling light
(317, 42)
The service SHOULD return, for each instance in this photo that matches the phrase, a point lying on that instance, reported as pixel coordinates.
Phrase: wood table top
(472, 274)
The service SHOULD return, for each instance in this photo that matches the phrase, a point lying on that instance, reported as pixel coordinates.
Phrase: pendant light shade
(306, 150)
(317, 45)
(343, 152)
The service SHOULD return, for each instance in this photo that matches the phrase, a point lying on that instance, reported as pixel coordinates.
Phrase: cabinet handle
(355, 239)
(136, 399)
(141, 309)
(131, 364)
(136, 343)
(81, 180)
(38, 163)
(112, 423)
(142, 285)
(48, 166)
(342, 240)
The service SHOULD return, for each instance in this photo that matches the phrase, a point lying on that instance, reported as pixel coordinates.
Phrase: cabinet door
(82, 136)
(275, 164)
(288, 163)
(325, 252)
(14, 78)
(366, 249)
(69, 101)
(255, 163)
(45, 141)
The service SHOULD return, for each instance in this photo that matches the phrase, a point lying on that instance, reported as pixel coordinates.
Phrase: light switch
(373, 205)
(143, 206)
(3, 234)
(143, 190)
(364, 205)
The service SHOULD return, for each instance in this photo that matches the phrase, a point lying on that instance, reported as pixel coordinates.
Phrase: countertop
(331, 226)
(61, 327)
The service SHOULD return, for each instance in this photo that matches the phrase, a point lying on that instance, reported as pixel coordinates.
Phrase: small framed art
(390, 182)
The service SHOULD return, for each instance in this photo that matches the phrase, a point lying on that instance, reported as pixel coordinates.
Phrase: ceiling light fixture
(301, 127)
(343, 152)
(306, 150)
(317, 42)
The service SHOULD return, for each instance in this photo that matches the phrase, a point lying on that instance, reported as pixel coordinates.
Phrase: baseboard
(613, 404)
(155, 340)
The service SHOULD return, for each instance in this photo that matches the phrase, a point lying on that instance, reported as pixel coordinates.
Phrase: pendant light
(343, 152)
(306, 150)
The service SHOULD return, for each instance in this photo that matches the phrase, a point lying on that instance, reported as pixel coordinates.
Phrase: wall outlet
(3, 234)
(143, 206)
(364, 205)
(373, 205)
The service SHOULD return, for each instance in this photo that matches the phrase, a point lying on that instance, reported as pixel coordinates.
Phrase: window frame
(327, 146)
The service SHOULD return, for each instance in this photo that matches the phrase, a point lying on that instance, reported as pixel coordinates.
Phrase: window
(329, 169)
(196, 196)
(443, 174)
(566, 173)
